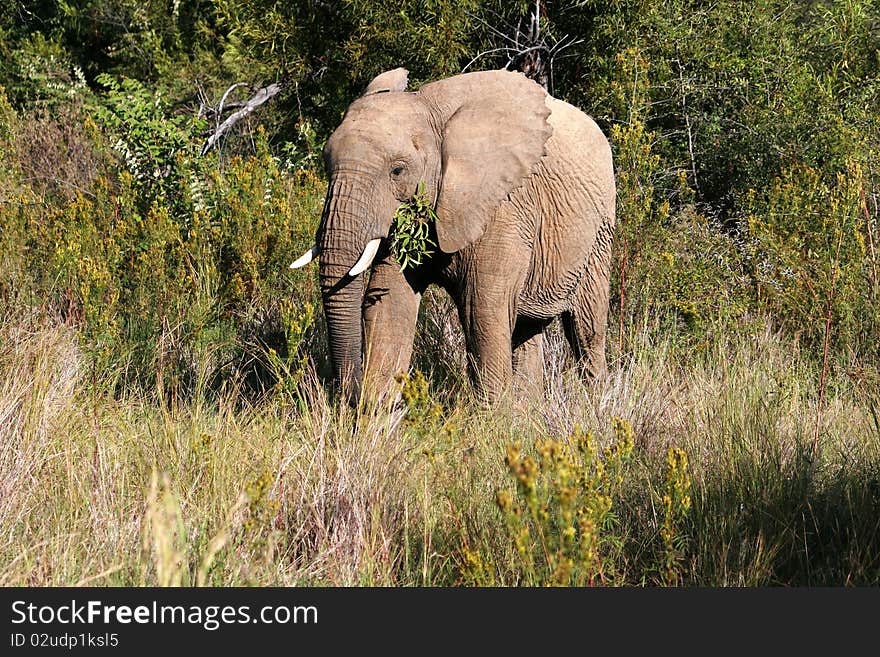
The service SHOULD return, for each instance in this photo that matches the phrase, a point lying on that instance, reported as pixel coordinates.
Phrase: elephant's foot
(491, 378)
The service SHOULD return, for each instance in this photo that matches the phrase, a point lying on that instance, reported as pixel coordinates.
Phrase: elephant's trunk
(341, 243)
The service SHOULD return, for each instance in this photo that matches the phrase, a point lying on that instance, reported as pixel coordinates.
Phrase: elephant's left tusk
(366, 258)
(305, 258)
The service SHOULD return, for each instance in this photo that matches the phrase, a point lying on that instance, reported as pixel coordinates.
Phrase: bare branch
(228, 107)
(525, 51)
(203, 100)
(535, 32)
(487, 52)
(531, 53)
(260, 97)
(206, 109)
(226, 95)
(495, 31)
(687, 120)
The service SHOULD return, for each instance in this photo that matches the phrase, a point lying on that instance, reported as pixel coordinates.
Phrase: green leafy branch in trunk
(411, 239)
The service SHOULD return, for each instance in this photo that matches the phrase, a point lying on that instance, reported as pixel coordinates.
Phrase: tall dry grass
(101, 488)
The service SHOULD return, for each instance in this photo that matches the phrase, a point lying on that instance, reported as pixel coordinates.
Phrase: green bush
(810, 245)
(561, 519)
(172, 266)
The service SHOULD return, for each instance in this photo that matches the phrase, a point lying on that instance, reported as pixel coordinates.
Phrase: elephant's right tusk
(305, 258)
(366, 258)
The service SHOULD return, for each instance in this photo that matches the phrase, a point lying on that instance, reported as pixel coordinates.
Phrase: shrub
(810, 245)
(561, 519)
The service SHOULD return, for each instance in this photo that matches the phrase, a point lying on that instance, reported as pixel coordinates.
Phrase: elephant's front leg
(487, 323)
(391, 307)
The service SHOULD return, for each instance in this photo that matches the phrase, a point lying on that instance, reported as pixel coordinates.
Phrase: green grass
(125, 489)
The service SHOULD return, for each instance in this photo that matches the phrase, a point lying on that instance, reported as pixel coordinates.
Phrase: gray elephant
(524, 193)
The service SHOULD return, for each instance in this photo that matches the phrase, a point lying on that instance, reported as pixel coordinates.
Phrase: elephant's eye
(397, 170)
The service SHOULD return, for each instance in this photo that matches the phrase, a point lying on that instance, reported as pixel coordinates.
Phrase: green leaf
(411, 230)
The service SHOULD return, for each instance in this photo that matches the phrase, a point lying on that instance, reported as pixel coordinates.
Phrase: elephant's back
(569, 197)
(580, 148)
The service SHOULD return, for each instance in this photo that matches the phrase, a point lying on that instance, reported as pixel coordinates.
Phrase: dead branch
(206, 109)
(243, 109)
(487, 52)
(687, 121)
(530, 52)
(226, 95)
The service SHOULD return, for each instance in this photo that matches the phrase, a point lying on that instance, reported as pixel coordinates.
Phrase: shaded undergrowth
(708, 476)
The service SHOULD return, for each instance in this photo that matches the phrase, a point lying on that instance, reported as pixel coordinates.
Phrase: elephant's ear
(394, 80)
(494, 133)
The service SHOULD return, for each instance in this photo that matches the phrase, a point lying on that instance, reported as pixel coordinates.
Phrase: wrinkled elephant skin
(524, 192)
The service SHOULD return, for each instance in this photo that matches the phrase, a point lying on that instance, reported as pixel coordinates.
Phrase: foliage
(150, 141)
(812, 250)
(214, 490)
(171, 261)
(562, 521)
(674, 266)
(411, 230)
(150, 323)
(676, 503)
(8, 163)
(422, 410)
(42, 72)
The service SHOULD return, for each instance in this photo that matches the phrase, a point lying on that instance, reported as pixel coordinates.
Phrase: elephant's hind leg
(587, 344)
(528, 356)
(586, 323)
(487, 329)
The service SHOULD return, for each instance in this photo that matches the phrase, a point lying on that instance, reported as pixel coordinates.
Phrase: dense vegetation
(165, 413)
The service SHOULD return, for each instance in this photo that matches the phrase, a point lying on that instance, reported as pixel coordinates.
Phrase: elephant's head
(472, 139)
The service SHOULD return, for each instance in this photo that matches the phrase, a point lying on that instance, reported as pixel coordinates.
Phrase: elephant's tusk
(305, 258)
(366, 258)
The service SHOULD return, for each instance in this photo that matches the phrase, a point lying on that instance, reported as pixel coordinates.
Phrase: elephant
(523, 189)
